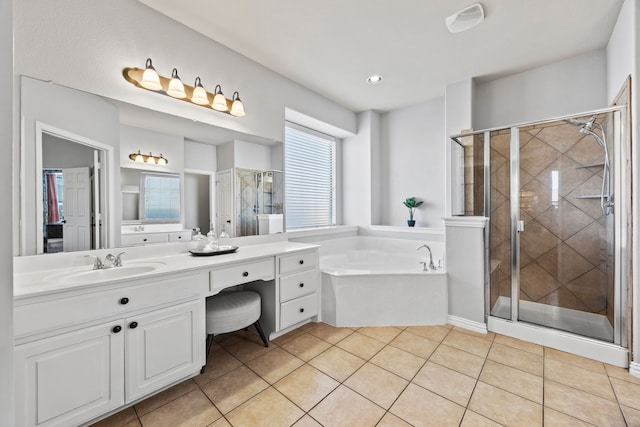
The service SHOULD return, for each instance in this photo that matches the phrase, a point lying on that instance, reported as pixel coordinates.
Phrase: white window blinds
(309, 178)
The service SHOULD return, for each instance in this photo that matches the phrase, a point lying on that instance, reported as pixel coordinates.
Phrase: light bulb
(219, 101)
(199, 94)
(237, 109)
(162, 160)
(150, 79)
(176, 88)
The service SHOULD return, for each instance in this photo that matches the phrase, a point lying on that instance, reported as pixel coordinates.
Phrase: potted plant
(412, 204)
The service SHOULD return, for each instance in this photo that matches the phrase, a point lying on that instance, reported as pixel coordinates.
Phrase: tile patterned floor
(441, 376)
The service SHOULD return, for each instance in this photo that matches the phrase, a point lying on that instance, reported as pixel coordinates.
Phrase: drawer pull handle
(179, 237)
(301, 262)
(301, 285)
(124, 301)
(133, 325)
(302, 310)
(245, 274)
(116, 329)
(144, 240)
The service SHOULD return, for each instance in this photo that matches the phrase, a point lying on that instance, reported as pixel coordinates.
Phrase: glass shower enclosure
(557, 195)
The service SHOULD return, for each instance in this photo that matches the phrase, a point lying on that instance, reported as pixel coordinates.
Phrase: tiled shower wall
(563, 251)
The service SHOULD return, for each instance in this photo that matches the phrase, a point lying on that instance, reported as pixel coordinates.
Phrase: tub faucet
(432, 266)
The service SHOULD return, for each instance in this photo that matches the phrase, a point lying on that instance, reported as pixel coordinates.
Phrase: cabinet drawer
(299, 284)
(297, 310)
(67, 311)
(298, 262)
(143, 238)
(225, 277)
(178, 236)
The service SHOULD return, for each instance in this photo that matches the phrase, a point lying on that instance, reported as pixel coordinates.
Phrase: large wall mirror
(73, 136)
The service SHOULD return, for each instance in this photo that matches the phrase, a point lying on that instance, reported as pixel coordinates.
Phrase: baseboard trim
(634, 369)
(467, 324)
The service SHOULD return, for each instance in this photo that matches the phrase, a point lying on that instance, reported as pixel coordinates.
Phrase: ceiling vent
(466, 18)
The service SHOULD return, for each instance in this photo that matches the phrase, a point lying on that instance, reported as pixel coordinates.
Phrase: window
(160, 196)
(310, 184)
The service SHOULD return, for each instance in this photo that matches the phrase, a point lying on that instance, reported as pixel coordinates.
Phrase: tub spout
(432, 266)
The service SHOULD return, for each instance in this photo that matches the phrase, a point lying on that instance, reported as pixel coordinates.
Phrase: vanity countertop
(35, 282)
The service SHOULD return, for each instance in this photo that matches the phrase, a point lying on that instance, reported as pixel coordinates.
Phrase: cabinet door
(70, 378)
(163, 346)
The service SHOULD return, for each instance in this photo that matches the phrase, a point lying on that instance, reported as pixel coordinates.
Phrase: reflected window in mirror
(159, 197)
(53, 209)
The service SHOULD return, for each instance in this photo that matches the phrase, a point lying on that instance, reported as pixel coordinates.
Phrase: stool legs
(261, 333)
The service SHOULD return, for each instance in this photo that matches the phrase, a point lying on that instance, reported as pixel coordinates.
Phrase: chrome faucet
(432, 266)
(110, 260)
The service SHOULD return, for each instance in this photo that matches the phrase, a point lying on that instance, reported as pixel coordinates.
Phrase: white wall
(620, 50)
(60, 153)
(199, 156)
(86, 44)
(7, 90)
(357, 154)
(249, 155)
(413, 163)
(566, 87)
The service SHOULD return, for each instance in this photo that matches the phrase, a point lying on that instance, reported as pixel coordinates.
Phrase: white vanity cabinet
(292, 297)
(80, 356)
(144, 238)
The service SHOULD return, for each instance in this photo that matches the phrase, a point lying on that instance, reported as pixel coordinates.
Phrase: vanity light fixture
(149, 79)
(149, 159)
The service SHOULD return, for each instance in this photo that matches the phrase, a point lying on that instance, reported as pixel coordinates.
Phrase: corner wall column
(465, 264)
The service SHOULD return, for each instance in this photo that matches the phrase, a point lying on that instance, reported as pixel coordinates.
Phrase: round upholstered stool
(231, 311)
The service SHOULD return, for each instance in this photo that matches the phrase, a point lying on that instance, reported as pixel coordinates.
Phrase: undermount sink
(91, 276)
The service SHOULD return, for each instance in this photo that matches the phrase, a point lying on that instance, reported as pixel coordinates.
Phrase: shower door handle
(520, 226)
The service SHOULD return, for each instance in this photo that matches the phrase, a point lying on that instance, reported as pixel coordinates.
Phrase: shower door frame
(616, 352)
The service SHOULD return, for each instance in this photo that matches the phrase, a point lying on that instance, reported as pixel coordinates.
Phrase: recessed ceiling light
(374, 79)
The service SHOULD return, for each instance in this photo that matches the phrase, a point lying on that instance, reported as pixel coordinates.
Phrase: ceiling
(332, 46)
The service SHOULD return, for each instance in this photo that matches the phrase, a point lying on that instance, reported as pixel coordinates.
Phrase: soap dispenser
(212, 239)
(224, 241)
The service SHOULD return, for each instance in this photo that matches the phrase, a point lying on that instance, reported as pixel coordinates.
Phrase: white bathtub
(372, 281)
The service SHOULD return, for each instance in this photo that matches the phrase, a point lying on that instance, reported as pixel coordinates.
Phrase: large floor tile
(421, 407)
(433, 333)
(361, 345)
(572, 359)
(306, 346)
(489, 336)
(581, 405)
(516, 358)
(220, 362)
(345, 407)
(192, 410)
(337, 363)
(470, 344)
(519, 344)
(472, 419)
(234, 388)
(274, 365)
(579, 378)
(377, 384)
(307, 421)
(446, 382)
(164, 397)
(419, 346)
(382, 333)
(631, 415)
(628, 393)
(458, 360)
(513, 380)
(553, 418)
(268, 408)
(306, 386)
(248, 349)
(504, 407)
(390, 420)
(401, 363)
(329, 333)
(118, 419)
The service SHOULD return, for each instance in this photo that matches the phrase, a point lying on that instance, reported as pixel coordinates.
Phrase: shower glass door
(552, 257)
(566, 229)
